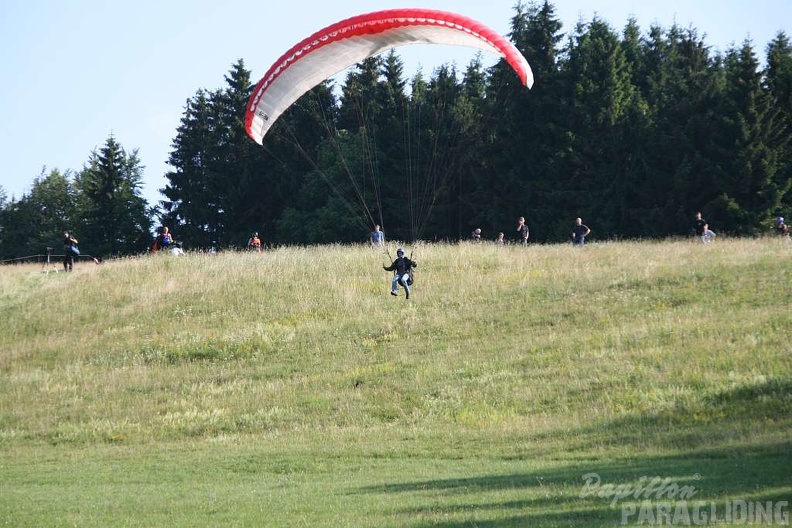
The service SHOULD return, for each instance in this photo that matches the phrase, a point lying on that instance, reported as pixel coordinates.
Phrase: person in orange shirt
(254, 243)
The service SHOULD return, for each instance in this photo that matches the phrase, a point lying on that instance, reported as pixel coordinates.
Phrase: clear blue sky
(76, 71)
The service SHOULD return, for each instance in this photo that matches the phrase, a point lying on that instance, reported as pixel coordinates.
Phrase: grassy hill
(290, 389)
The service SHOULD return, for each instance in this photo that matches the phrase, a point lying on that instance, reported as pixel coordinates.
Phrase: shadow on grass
(757, 410)
(556, 497)
(733, 446)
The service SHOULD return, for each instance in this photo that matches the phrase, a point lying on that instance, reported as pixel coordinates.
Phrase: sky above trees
(76, 72)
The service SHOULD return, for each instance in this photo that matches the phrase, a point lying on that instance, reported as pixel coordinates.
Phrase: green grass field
(290, 389)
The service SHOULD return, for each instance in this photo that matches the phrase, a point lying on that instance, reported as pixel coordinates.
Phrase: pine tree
(192, 206)
(243, 193)
(525, 126)
(37, 220)
(599, 99)
(778, 84)
(454, 197)
(749, 189)
(113, 212)
(683, 88)
(301, 149)
(337, 144)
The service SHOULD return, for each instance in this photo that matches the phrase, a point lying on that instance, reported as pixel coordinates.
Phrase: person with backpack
(166, 239)
(69, 251)
(163, 240)
(402, 268)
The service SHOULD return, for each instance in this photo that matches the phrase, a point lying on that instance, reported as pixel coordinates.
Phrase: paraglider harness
(409, 270)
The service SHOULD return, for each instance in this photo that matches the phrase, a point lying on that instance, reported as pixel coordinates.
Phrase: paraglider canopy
(340, 45)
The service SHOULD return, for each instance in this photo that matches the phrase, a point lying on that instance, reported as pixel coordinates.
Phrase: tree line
(632, 130)
(101, 203)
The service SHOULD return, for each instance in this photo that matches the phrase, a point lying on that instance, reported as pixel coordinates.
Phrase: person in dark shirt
(699, 225)
(579, 232)
(522, 228)
(402, 268)
(69, 251)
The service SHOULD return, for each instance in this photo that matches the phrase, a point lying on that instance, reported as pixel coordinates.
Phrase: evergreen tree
(329, 199)
(683, 88)
(751, 186)
(53, 197)
(113, 213)
(376, 94)
(599, 100)
(638, 213)
(192, 208)
(4, 212)
(293, 161)
(243, 193)
(442, 148)
(454, 195)
(525, 127)
(778, 84)
(37, 220)
(324, 209)
(18, 231)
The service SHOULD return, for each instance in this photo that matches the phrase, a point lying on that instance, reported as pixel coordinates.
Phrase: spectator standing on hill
(781, 227)
(166, 238)
(500, 241)
(475, 236)
(377, 237)
(254, 243)
(522, 228)
(579, 232)
(699, 225)
(162, 241)
(70, 250)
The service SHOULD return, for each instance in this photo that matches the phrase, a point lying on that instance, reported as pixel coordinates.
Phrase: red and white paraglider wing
(341, 45)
